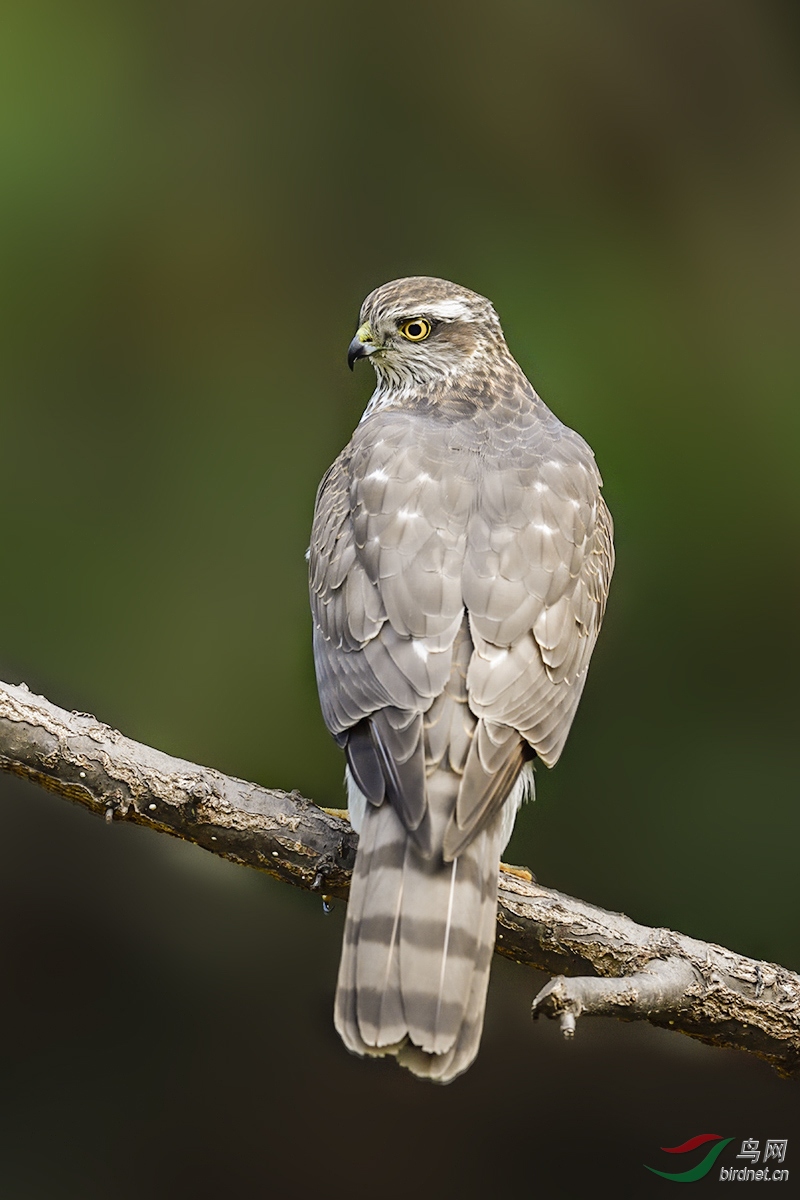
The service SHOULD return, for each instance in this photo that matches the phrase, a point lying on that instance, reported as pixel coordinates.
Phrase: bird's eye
(416, 330)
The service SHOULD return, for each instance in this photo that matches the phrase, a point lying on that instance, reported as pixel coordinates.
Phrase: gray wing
(386, 552)
(416, 523)
(538, 565)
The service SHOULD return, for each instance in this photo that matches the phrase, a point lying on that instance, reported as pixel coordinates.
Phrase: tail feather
(444, 1067)
(422, 915)
(367, 991)
(438, 946)
(417, 949)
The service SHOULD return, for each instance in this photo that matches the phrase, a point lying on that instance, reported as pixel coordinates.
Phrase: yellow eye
(416, 330)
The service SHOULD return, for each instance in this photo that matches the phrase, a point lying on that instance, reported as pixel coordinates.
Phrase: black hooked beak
(362, 345)
(357, 349)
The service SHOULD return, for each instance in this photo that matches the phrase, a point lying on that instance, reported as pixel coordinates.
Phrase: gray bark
(616, 967)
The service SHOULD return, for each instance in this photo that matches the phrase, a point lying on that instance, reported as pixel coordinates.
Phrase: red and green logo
(699, 1169)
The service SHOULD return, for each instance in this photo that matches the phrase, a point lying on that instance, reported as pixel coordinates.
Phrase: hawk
(460, 560)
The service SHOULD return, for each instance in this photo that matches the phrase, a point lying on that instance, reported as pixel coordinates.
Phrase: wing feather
(386, 552)
(413, 526)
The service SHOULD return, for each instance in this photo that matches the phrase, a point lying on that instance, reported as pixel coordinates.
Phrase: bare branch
(627, 970)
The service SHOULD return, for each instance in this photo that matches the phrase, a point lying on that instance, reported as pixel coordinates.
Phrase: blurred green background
(195, 199)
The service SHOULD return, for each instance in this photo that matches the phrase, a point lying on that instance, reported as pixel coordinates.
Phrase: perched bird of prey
(460, 560)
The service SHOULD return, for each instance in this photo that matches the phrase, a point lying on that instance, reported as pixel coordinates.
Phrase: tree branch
(626, 970)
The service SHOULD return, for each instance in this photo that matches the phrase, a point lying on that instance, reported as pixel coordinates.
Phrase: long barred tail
(418, 946)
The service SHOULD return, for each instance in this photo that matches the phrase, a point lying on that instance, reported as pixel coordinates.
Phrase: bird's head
(426, 331)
